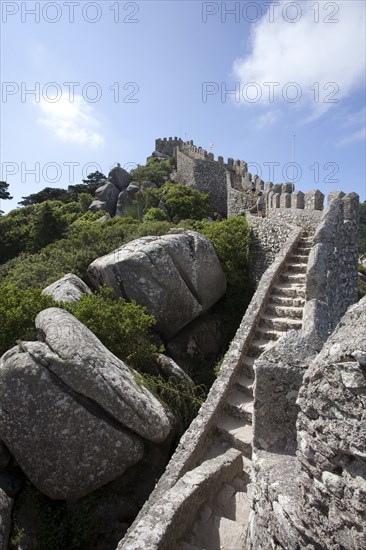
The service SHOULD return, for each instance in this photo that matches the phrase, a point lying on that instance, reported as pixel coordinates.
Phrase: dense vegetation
(49, 238)
(52, 234)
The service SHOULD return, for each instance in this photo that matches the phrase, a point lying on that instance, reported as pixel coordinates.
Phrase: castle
(276, 456)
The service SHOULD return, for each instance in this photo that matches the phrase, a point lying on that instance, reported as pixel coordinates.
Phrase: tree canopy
(4, 193)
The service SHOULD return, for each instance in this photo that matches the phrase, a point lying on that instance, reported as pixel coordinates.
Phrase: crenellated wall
(283, 203)
(227, 183)
(331, 282)
(167, 146)
(197, 168)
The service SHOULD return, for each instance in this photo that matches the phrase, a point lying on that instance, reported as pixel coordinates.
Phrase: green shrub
(85, 200)
(18, 310)
(123, 327)
(155, 170)
(183, 400)
(155, 214)
(181, 201)
(361, 289)
(184, 202)
(231, 240)
(31, 228)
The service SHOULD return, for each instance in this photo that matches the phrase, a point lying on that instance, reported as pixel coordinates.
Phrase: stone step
(280, 323)
(303, 249)
(237, 433)
(284, 310)
(296, 267)
(258, 346)
(232, 504)
(299, 258)
(286, 301)
(289, 277)
(212, 532)
(290, 290)
(240, 405)
(247, 364)
(264, 333)
(245, 383)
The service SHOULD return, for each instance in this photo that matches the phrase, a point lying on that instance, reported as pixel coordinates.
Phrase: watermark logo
(53, 172)
(269, 92)
(52, 92)
(53, 12)
(294, 172)
(253, 12)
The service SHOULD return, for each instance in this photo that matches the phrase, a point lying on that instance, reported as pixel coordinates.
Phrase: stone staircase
(221, 522)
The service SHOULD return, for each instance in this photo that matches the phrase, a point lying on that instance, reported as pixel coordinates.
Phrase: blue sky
(147, 69)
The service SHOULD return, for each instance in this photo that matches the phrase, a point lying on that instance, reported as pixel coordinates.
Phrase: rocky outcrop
(124, 200)
(98, 205)
(177, 277)
(108, 195)
(133, 188)
(71, 412)
(172, 372)
(119, 177)
(70, 288)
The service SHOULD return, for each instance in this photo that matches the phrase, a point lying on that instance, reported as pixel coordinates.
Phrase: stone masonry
(296, 415)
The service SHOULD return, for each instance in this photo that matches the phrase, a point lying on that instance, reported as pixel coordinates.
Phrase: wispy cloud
(327, 57)
(269, 118)
(358, 135)
(71, 122)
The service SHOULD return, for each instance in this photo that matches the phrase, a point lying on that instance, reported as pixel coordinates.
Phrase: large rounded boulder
(177, 277)
(107, 194)
(70, 288)
(119, 177)
(71, 413)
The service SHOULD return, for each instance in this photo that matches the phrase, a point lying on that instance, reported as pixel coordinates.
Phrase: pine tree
(48, 226)
(4, 193)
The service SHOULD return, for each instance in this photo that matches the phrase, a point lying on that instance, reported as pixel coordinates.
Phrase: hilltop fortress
(228, 183)
(275, 458)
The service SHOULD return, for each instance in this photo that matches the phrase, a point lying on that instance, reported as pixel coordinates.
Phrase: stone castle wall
(309, 443)
(312, 495)
(332, 275)
(167, 146)
(198, 436)
(197, 168)
(309, 439)
(267, 239)
(227, 183)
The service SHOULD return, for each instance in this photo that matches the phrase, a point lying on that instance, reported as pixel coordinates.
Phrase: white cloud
(307, 53)
(354, 123)
(269, 118)
(71, 122)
